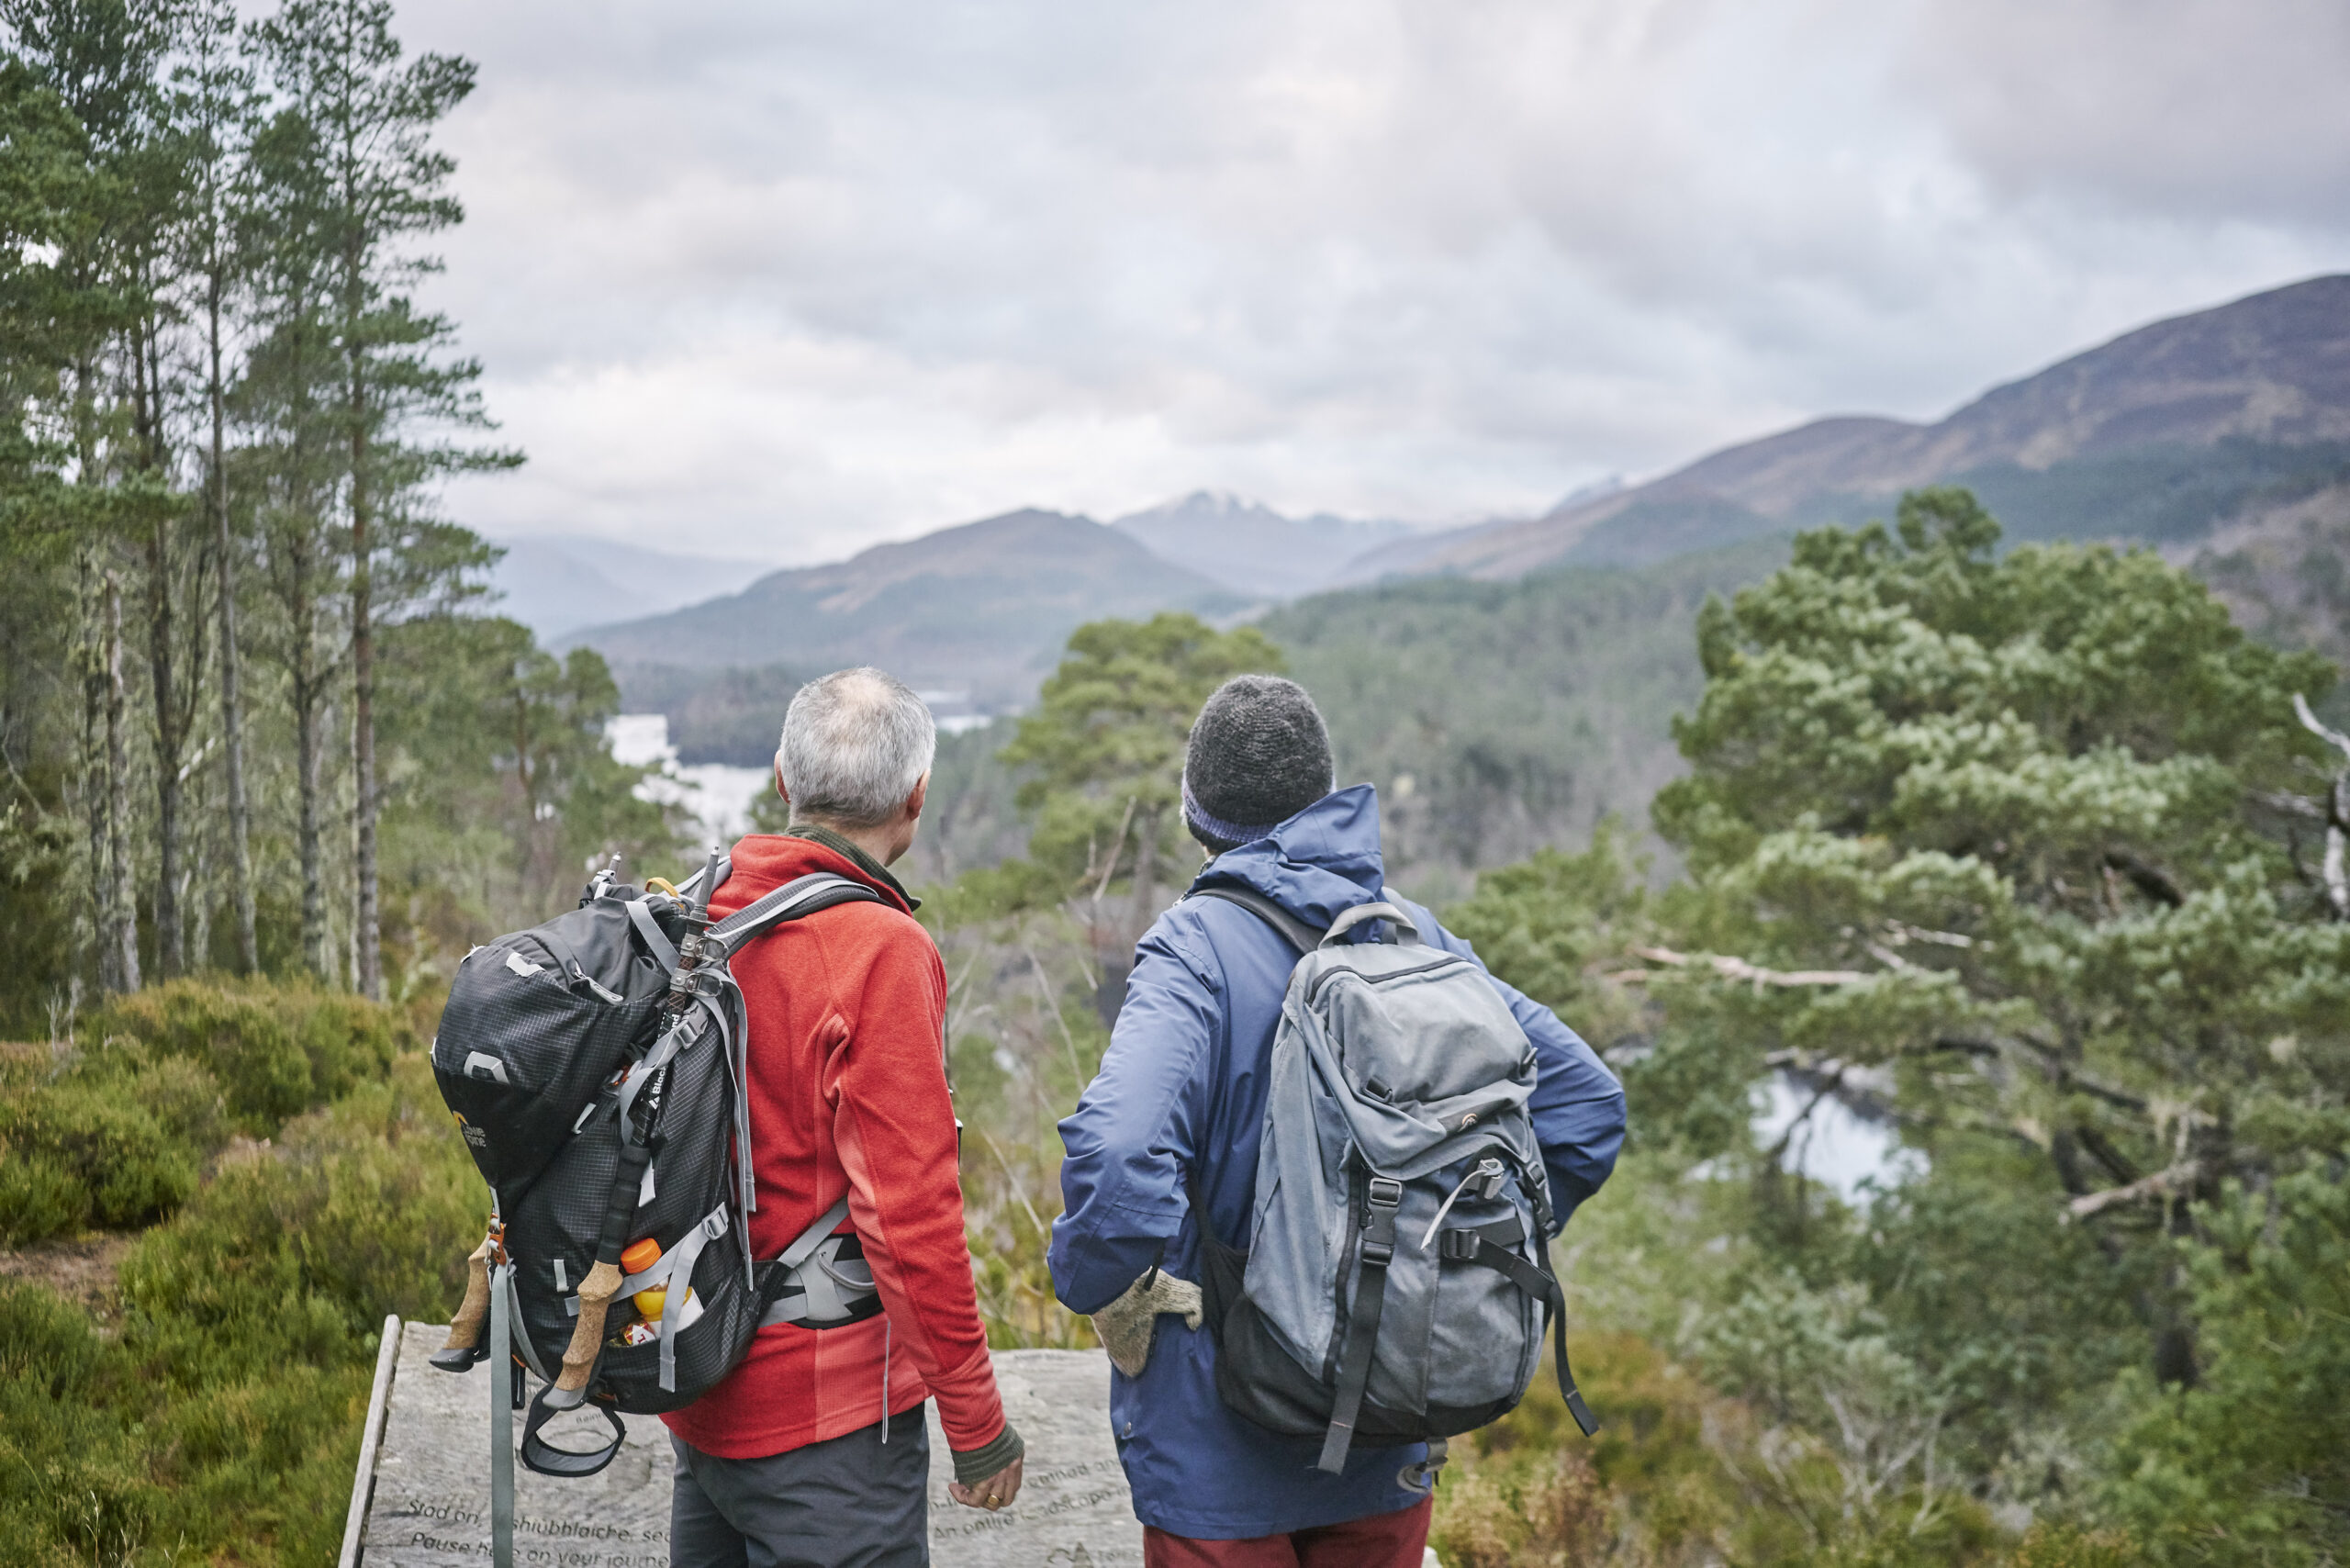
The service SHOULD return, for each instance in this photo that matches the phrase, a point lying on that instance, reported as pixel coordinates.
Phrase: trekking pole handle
(708, 886)
(690, 946)
(595, 1293)
(465, 1329)
(603, 1280)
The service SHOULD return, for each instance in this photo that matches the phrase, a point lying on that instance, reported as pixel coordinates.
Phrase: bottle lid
(639, 1256)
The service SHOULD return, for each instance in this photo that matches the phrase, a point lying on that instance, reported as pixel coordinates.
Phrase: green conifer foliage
(2027, 847)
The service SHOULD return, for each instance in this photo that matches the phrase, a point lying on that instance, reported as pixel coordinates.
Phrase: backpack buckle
(1385, 1193)
(1487, 1179)
(1460, 1246)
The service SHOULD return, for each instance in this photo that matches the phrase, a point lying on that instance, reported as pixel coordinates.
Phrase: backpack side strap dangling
(1376, 1250)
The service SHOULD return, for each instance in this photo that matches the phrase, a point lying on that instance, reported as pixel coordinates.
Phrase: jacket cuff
(982, 1462)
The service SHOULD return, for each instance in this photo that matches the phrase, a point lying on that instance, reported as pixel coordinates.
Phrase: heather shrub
(94, 1155)
(276, 1050)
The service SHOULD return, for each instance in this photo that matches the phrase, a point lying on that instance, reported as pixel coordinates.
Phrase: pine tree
(214, 112)
(1105, 751)
(291, 465)
(2023, 836)
(369, 115)
(90, 319)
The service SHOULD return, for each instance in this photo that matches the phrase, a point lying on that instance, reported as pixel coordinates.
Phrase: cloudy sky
(780, 278)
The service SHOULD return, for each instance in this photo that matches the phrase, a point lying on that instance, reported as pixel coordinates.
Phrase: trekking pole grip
(465, 1329)
(595, 1293)
(602, 1284)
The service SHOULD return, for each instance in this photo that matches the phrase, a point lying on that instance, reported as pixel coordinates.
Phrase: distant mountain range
(2225, 433)
(559, 583)
(1254, 550)
(981, 610)
(2164, 435)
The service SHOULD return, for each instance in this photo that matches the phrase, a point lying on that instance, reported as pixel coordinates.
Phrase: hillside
(1252, 549)
(1499, 717)
(559, 583)
(980, 610)
(2162, 434)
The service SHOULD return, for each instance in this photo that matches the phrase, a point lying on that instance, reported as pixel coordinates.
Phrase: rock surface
(430, 1507)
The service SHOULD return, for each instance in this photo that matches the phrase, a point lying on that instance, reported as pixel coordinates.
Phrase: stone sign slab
(429, 1504)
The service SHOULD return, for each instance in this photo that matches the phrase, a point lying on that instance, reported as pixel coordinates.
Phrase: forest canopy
(253, 718)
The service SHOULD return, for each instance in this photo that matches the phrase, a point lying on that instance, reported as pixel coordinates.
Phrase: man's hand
(996, 1492)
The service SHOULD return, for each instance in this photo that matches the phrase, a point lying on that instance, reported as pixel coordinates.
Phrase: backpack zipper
(1324, 979)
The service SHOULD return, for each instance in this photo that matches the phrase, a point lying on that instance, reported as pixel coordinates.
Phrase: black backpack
(596, 1066)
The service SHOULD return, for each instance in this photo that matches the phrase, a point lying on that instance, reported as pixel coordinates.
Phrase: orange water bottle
(638, 1257)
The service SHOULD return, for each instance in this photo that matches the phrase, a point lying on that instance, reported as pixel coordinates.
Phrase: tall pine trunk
(367, 938)
(122, 914)
(171, 951)
(233, 715)
(94, 768)
(309, 698)
(163, 672)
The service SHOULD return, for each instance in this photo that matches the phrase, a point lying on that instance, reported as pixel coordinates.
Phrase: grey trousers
(852, 1501)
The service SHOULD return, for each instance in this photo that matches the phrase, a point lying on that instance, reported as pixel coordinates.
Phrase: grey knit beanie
(1259, 755)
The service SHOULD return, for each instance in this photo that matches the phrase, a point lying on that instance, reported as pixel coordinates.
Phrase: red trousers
(1383, 1541)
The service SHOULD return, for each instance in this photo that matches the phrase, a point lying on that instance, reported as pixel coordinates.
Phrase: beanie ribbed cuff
(1215, 827)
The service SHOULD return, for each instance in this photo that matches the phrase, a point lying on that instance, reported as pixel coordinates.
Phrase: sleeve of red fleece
(894, 1126)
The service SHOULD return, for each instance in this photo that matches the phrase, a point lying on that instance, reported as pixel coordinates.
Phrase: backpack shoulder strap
(800, 896)
(1301, 936)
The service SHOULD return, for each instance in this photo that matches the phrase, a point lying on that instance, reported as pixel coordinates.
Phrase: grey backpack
(1397, 1281)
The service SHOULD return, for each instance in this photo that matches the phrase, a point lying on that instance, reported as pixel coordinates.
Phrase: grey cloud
(2216, 108)
(799, 276)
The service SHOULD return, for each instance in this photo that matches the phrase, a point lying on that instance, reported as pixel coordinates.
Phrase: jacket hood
(1317, 865)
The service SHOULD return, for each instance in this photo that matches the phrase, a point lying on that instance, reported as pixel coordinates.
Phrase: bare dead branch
(1891, 959)
(2319, 728)
(2337, 875)
(1018, 1188)
(1900, 933)
(2290, 804)
(2049, 1061)
(1053, 1006)
(1731, 968)
(2162, 1184)
(1117, 848)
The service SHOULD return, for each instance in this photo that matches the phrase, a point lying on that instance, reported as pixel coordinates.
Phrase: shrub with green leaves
(116, 1132)
(90, 1155)
(220, 1421)
(276, 1050)
(2252, 1465)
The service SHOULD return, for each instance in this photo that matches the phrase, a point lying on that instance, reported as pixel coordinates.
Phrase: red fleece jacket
(847, 1010)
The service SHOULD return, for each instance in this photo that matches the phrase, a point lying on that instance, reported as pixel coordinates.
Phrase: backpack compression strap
(1377, 1249)
(829, 1298)
(1477, 1246)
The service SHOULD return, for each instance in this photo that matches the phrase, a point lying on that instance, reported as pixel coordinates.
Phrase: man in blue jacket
(1179, 1106)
